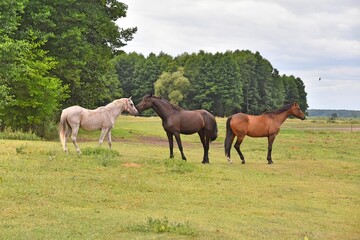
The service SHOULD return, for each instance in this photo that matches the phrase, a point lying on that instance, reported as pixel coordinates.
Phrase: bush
(8, 133)
(48, 131)
(164, 226)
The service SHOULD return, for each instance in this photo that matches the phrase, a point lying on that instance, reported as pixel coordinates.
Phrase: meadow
(135, 191)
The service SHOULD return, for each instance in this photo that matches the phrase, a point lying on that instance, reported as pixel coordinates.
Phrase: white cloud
(305, 38)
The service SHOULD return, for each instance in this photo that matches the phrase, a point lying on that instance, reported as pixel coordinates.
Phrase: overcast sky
(310, 39)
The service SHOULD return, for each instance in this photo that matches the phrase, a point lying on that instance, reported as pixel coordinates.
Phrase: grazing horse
(75, 117)
(266, 125)
(176, 120)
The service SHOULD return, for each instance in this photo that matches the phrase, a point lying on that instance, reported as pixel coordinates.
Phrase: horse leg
(228, 142)
(109, 138)
(271, 139)
(171, 144)
(178, 140)
(67, 132)
(237, 147)
(74, 132)
(104, 131)
(205, 142)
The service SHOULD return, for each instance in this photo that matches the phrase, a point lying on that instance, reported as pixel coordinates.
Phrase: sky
(310, 39)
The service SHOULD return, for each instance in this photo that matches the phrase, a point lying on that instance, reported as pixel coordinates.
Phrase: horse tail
(214, 131)
(210, 125)
(63, 125)
(229, 137)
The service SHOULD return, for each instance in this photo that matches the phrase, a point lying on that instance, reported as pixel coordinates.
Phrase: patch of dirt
(143, 139)
(153, 140)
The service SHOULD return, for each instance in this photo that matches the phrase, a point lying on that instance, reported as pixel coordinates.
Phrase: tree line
(337, 112)
(222, 83)
(58, 53)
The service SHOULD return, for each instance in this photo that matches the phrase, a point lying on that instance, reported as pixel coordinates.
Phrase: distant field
(312, 191)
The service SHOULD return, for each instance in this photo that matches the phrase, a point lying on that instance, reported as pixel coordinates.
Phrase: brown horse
(176, 120)
(266, 125)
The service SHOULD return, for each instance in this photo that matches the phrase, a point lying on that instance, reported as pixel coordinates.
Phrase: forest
(59, 53)
(222, 83)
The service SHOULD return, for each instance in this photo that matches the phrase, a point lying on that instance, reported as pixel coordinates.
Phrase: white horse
(72, 118)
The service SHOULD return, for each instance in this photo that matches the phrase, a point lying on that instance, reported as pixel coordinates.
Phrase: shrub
(164, 226)
(8, 133)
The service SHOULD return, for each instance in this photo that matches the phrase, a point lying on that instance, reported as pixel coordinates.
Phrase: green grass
(312, 191)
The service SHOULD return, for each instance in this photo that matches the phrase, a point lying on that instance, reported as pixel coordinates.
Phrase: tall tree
(291, 90)
(146, 74)
(302, 93)
(173, 86)
(31, 94)
(82, 37)
(229, 85)
(125, 65)
(277, 96)
(251, 92)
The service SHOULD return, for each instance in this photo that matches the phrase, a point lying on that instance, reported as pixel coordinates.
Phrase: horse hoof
(206, 162)
(243, 162)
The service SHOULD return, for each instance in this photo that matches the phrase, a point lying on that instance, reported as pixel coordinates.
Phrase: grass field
(312, 191)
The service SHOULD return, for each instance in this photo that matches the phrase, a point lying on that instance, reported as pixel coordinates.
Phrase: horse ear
(150, 95)
(130, 97)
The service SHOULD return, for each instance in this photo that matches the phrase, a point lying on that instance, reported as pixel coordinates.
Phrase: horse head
(296, 111)
(145, 103)
(130, 107)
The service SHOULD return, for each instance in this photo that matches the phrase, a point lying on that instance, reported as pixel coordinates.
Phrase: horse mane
(173, 105)
(114, 103)
(281, 110)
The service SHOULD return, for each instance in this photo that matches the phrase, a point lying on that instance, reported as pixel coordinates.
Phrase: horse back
(252, 125)
(72, 112)
(195, 120)
(188, 122)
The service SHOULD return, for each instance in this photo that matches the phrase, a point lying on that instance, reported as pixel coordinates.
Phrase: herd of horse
(176, 121)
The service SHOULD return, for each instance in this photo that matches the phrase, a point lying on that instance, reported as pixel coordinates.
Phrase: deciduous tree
(173, 86)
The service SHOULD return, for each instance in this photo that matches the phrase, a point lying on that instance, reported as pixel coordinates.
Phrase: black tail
(210, 125)
(229, 137)
(214, 132)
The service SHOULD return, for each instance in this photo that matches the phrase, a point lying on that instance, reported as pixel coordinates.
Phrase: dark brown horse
(266, 125)
(176, 120)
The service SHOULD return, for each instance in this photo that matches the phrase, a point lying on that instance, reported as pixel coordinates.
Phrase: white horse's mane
(116, 103)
